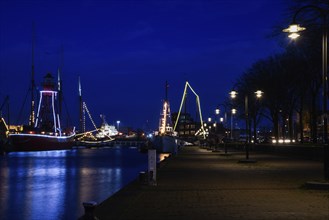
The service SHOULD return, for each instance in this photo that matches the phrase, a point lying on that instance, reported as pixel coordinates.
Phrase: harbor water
(52, 185)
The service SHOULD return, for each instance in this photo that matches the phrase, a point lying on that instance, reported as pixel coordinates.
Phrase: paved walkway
(200, 184)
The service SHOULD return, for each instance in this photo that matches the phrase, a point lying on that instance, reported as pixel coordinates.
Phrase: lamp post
(233, 95)
(217, 112)
(258, 94)
(233, 112)
(294, 30)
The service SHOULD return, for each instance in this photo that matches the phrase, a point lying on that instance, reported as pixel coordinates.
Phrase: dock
(202, 184)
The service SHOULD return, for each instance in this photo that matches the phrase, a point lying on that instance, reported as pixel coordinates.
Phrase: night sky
(125, 51)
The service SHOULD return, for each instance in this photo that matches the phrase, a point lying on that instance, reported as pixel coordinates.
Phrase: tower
(47, 116)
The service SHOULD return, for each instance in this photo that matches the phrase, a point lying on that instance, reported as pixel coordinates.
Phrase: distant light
(234, 111)
(283, 141)
(259, 93)
(217, 111)
(233, 94)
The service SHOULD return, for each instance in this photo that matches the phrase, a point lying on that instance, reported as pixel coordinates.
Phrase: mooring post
(89, 210)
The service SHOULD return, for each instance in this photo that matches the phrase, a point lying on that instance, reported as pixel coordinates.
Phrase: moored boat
(102, 137)
(45, 133)
(165, 139)
(99, 136)
(41, 142)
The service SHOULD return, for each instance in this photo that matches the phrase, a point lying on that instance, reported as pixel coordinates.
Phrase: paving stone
(200, 184)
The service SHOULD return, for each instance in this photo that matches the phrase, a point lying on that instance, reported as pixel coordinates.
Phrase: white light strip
(164, 119)
(181, 105)
(54, 114)
(87, 110)
(198, 103)
(48, 91)
(59, 126)
(39, 106)
(80, 93)
(43, 135)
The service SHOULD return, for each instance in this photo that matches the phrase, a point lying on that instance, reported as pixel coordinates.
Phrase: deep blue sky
(124, 51)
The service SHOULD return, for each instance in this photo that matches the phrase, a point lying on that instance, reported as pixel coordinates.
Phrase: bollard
(89, 210)
(143, 178)
(150, 177)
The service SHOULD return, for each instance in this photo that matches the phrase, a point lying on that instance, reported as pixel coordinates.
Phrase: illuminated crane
(187, 85)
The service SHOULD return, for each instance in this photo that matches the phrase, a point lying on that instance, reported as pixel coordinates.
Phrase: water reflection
(53, 184)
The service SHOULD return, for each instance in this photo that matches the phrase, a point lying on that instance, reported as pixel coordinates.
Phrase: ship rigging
(97, 136)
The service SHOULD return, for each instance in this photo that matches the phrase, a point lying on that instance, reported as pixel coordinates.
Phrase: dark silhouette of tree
(291, 81)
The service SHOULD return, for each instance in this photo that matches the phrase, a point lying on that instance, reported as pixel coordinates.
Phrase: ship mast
(59, 83)
(165, 116)
(82, 127)
(32, 114)
(166, 94)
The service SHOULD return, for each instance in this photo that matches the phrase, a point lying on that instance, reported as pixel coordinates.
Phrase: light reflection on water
(53, 184)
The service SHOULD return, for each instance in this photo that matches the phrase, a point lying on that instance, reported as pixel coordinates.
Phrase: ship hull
(165, 144)
(39, 142)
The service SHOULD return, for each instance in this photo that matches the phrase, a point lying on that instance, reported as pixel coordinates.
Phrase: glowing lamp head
(259, 93)
(217, 111)
(233, 111)
(293, 29)
(293, 36)
(233, 94)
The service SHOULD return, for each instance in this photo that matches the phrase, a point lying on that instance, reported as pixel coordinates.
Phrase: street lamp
(233, 111)
(233, 94)
(217, 112)
(294, 30)
(258, 94)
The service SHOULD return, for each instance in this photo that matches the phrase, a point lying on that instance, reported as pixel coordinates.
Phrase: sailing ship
(45, 132)
(103, 135)
(97, 137)
(165, 139)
